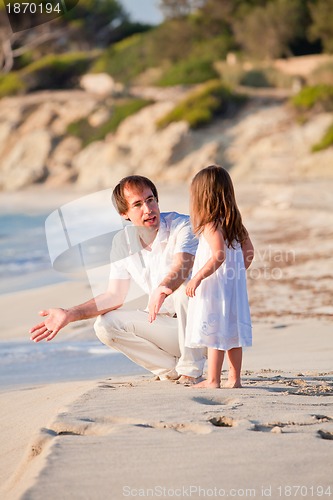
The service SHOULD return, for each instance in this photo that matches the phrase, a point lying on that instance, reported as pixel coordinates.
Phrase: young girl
(218, 315)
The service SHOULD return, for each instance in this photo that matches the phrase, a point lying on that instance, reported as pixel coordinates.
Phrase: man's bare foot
(173, 378)
(185, 380)
(205, 384)
(233, 384)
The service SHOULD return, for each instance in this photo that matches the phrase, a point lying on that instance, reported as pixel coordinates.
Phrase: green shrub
(265, 77)
(57, 71)
(203, 105)
(214, 49)
(11, 84)
(188, 72)
(258, 76)
(277, 78)
(255, 78)
(165, 46)
(326, 141)
(126, 59)
(83, 130)
(23, 60)
(318, 97)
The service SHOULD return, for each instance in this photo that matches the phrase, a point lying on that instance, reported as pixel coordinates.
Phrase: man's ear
(125, 216)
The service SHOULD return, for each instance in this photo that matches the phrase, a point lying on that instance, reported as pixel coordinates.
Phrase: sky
(145, 11)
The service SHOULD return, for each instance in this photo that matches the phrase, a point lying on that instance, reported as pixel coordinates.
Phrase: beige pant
(159, 346)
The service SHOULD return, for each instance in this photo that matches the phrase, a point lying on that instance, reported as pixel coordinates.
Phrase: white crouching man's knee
(104, 331)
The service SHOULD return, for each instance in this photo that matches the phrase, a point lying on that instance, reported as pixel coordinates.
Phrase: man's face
(143, 209)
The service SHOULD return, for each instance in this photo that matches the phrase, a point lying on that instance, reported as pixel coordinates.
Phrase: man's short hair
(131, 182)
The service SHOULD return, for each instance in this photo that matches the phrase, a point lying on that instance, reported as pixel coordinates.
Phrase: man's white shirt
(148, 268)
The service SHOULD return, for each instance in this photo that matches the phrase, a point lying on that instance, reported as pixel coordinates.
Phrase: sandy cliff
(263, 140)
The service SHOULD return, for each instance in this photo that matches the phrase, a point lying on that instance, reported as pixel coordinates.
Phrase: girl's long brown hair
(213, 201)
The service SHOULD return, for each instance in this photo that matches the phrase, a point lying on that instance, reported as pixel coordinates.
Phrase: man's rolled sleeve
(186, 241)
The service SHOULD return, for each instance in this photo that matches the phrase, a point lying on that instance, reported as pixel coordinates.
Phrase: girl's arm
(216, 243)
(248, 252)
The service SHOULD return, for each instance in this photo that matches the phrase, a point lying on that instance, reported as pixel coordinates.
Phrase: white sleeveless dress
(219, 314)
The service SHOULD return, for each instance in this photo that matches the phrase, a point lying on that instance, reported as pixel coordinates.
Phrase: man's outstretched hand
(55, 320)
(156, 301)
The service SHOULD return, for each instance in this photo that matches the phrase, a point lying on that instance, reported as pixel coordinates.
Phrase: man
(157, 252)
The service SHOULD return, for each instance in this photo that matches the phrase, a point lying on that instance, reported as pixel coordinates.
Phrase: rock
(99, 117)
(192, 163)
(262, 143)
(60, 163)
(40, 118)
(147, 149)
(97, 166)
(165, 148)
(26, 162)
(71, 111)
(6, 129)
(231, 59)
(101, 84)
(11, 116)
(316, 165)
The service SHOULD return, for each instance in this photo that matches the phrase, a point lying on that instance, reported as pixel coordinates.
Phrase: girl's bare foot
(206, 384)
(233, 384)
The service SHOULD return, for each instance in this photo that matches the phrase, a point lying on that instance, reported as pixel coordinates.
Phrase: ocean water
(26, 363)
(23, 247)
(25, 263)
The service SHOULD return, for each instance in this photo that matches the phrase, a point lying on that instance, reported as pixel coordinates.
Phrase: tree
(267, 31)
(89, 23)
(322, 23)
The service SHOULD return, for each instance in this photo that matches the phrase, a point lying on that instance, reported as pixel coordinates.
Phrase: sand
(125, 436)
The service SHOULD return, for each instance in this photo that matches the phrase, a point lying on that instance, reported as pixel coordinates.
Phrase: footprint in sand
(325, 434)
(217, 401)
(208, 401)
(274, 428)
(223, 421)
(322, 418)
(191, 427)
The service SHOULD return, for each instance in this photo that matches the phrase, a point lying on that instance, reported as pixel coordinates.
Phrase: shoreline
(17, 472)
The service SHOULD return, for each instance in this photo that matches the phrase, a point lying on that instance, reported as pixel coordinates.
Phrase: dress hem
(220, 348)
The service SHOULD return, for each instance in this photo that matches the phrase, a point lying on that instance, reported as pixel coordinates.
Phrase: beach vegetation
(126, 59)
(188, 72)
(316, 98)
(57, 70)
(326, 141)
(255, 78)
(211, 100)
(11, 84)
(257, 75)
(266, 77)
(120, 111)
